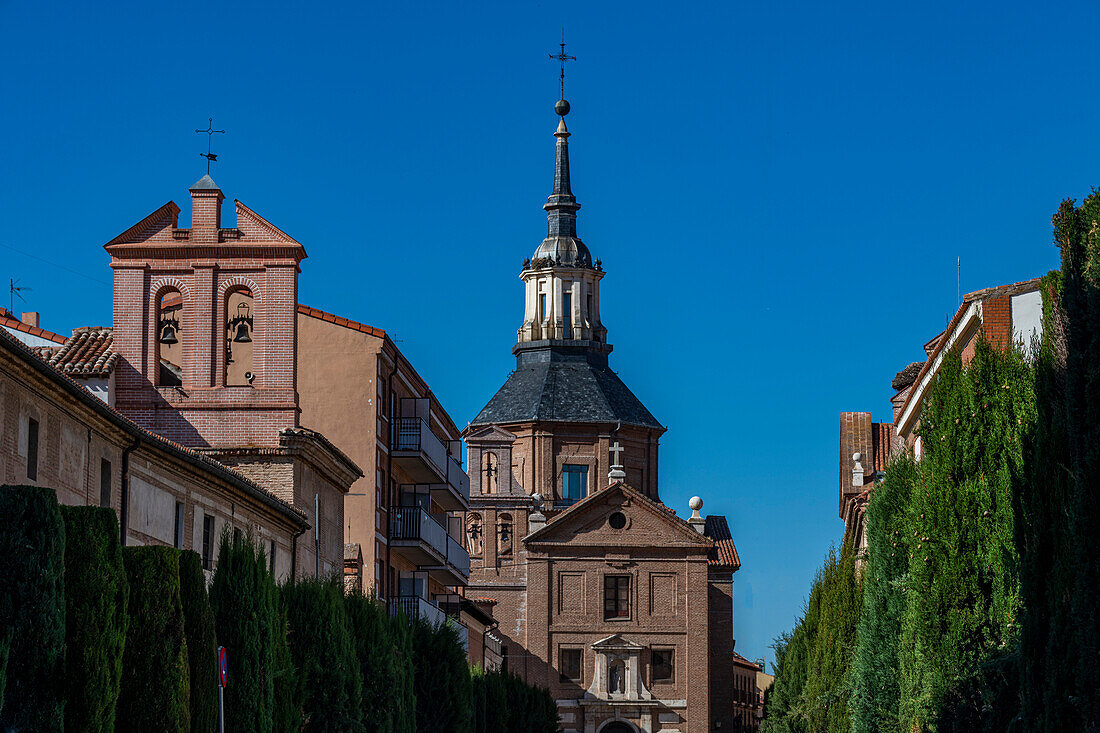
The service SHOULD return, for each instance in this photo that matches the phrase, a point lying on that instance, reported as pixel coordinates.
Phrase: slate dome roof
(570, 251)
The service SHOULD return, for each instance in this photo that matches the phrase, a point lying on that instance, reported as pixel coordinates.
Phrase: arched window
(474, 538)
(239, 332)
(170, 338)
(490, 465)
(504, 536)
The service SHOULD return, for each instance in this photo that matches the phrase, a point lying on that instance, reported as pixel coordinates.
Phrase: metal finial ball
(561, 107)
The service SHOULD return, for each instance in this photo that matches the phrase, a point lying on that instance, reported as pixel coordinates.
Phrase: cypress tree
(785, 708)
(202, 646)
(963, 602)
(96, 617)
(155, 675)
(242, 598)
(404, 679)
(287, 714)
(442, 679)
(375, 652)
(32, 606)
(875, 690)
(329, 675)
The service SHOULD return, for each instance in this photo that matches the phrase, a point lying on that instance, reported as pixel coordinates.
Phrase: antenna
(958, 280)
(15, 290)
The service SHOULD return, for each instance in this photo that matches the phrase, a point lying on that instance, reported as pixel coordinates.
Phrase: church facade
(603, 594)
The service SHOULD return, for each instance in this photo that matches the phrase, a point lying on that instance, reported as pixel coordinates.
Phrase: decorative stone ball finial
(857, 456)
(696, 504)
(536, 499)
(561, 107)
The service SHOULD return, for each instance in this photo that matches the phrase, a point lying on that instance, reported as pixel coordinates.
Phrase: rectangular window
(567, 315)
(542, 307)
(574, 483)
(660, 665)
(208, 542)
(271, 557)
(616, 596)
(179, 525)
(32, 449)
(570, 665)
(104, 482)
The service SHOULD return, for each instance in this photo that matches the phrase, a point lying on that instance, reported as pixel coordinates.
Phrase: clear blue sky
(778, 192)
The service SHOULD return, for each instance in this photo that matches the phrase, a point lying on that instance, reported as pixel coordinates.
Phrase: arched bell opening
(170, 338)
(240, 333)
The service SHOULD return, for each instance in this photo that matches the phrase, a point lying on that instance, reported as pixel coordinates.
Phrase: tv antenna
(15, 290)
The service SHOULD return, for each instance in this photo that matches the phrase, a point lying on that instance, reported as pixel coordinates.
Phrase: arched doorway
(617, 726)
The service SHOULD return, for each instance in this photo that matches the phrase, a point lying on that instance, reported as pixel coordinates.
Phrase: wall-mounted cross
(617, 449)
(210, 156)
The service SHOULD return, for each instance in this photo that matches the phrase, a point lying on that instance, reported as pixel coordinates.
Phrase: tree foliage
(155, 677)
(32, 608)
(376, 653)
(96, 617)
(875, 685)
(442, 678)
(321, 648)
(202, 645)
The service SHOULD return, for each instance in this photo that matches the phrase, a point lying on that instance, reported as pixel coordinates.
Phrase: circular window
(617, 520)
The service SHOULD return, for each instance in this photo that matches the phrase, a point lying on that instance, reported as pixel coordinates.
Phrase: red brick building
(603, 594)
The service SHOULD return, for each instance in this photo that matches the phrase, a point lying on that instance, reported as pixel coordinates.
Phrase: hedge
(321, 647)
(97, 617)
(202, 645)
(155, 674)
(32, 606)
(375, 650)
(404, 678)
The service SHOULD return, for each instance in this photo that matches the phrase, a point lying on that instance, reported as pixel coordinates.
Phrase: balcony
(463, 634)
(456, 569)
(493, 644)
(424, 458)
(418, 536)
(416, 607)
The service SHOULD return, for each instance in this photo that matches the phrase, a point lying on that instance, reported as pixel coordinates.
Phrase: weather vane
(561, 58)
(210, 157)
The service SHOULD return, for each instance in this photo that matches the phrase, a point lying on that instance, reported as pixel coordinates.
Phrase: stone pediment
(616, 643)
(648, 523)
(489, 434)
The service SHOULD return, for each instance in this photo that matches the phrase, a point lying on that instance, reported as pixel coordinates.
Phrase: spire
(561, 206)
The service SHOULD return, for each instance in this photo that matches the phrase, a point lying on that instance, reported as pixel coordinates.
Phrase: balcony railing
(412, 435)
(463, 633)
(493, 644)
(413, 523)
(416, 607)
(457, 557)
(458, 478)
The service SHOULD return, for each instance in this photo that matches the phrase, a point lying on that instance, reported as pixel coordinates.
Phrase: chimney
(30, 318)
(695, 520)
(206, 211)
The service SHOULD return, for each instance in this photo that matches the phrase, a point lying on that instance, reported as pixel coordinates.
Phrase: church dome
(563, 250)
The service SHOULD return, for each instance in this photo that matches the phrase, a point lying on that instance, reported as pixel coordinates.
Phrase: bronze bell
(242, 336)
(168, 334)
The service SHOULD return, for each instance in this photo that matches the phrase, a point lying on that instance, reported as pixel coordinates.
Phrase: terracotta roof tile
(724, 552)
(87, 353)
(305, 310)
(8, 320)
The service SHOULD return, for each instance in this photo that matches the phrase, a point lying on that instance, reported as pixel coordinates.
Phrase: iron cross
(561, 58)
(210, 157)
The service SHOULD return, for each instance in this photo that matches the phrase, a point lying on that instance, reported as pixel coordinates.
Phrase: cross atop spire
(561, 57)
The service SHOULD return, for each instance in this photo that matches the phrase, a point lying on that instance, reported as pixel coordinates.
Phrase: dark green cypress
(242, 598)
(155, 674)
(785, 709)
(202, 644)
(32, 608)
(96, 617)
(376, 654)
(875, 690)
(442, 679)
(404, 679)
(329, 675)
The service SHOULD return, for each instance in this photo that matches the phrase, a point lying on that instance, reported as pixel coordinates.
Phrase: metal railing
(413, 523)
(416, 607)
(463, 634)
(457, 557)
(413, 434)
(458, 478)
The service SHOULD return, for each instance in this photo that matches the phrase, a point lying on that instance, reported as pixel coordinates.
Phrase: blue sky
(778, 191)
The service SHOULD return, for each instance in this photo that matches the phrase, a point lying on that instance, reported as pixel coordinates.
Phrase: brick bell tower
(206, 324)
